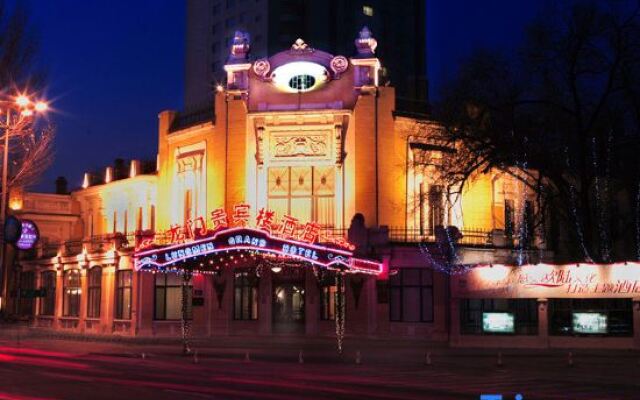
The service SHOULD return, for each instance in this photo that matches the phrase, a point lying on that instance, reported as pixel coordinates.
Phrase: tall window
(328, 294)
(48, 302)
(411, 295)
(168, 297)
(528, 221)
(95, 292)
(436, 207)
(71, 290)
(245, 298)
(27, 286)
(509, 218)
(123, 294)
(307, 193)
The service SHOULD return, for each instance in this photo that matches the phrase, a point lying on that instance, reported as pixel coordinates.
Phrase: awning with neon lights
(182, 255)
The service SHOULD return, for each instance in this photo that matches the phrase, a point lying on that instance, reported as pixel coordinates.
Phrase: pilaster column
(108, 299)
(636, 322)
(543, 322)
(265, 303)
(59, 295)
(454, 321)
(84, 293)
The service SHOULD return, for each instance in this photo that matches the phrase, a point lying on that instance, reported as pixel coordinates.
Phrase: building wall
(224, 159)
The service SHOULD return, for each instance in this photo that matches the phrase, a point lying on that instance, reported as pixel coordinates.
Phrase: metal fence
(475, 237)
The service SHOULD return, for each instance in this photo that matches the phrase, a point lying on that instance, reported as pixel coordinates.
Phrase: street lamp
(16, 114)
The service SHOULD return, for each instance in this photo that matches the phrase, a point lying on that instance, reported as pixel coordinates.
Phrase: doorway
(288, 307)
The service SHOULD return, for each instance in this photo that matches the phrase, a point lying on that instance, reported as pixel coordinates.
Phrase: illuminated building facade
(313, 141)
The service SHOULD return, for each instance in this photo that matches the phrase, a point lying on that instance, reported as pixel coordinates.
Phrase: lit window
(299, 76)
(306, 193)
(367, 10)
(302, 82)
(123, 294)
(94, 294)
(168, 297)
(71, 290)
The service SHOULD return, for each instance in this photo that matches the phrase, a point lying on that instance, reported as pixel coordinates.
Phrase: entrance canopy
(198, 253)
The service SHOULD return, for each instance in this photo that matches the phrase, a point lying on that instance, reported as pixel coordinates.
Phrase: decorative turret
(366, 44)
(238, 64)
(365, 62)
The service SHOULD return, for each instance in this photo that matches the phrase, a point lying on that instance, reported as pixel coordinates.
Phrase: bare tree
(18, 50)
(30, 146)
(557, 113)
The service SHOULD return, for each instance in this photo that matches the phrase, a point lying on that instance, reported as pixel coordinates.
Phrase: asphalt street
(46, 368)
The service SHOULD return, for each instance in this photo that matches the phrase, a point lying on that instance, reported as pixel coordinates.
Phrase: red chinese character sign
(194, 244)
(287, 227)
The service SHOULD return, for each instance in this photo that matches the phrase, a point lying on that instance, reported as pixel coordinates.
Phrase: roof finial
(300, 45)
(240, 48)
(365, 43)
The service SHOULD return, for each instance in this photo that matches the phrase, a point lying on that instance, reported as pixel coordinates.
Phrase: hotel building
(313, 138)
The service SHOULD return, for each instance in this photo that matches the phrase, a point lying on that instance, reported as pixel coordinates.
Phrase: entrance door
(288, 308)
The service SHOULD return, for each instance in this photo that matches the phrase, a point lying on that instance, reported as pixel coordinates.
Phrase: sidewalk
(381, 351)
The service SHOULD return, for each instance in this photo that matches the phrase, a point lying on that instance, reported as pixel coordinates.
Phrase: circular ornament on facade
(261, 67)
(339, 64)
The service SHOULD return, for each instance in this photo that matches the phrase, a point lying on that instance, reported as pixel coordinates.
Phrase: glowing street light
(41, 106)
(18, 113)
(22, 101)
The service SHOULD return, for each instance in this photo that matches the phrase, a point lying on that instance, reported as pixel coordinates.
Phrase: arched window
(71, 290)
(48, 284)
(123, 294)
(94, 292)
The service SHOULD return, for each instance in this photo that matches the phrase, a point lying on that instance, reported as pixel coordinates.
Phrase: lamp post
(19, 113)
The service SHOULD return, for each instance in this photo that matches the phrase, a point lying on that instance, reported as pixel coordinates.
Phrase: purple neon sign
(28, 236)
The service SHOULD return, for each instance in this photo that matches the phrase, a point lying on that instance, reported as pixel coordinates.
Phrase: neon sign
(257, 240)
(288, 228)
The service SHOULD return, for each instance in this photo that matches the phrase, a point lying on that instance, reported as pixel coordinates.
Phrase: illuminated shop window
(48, 302)
(306, 193)
(411, 295)
(123, 294)
(94, 292)
(499, 316)
(591, 317)
(168, 297)
(367, 10)
(71, 290)
(245, 297)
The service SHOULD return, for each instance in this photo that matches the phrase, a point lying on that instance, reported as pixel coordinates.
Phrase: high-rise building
(330, 25)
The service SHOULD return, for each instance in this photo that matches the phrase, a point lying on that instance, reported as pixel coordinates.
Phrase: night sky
(113, 65)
